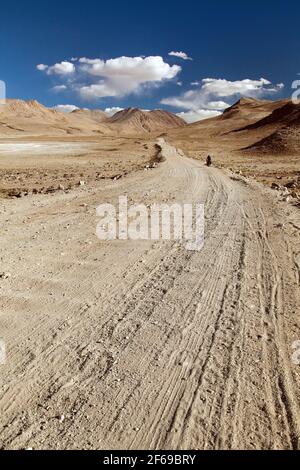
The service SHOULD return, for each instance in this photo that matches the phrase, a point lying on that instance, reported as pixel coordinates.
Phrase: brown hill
(286, 114)
(92, 114)
(283, 128)
(25, 108)
(18, 117)
(134, 120)
(247, 124)
(243, 113)
(247, 109)
(285, 141)
(21, 118)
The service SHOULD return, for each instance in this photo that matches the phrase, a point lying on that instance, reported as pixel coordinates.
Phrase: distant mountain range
(250, 125)
(19, 118)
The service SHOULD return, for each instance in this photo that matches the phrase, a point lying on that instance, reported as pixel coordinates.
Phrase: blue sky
(228, 42)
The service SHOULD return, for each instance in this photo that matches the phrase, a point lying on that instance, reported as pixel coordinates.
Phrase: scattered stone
(16, 193)
(276, 186)
(5, 275)
(50, 190)
(290, 185)
(263, 337)
(153, 166)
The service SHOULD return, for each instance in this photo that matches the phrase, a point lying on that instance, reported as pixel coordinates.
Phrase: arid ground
(145, 345)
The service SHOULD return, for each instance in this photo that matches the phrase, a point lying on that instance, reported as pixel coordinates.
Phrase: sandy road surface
(120, 345)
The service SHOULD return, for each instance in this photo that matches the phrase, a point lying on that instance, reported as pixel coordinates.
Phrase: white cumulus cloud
(65, 108)
(42, 67)
(124, 75)
(218, 94)
(247, 87)
(193, 116)
(59, 88)
(61, 68)
(180, 55)
(97, 78)
(112, 111)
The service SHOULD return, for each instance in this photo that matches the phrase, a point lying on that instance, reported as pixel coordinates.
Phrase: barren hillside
(23, 118)
(220, 133)
(134, 120)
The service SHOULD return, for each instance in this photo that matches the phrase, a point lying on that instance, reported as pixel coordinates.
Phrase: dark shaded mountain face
(285, 115)
(283, 127)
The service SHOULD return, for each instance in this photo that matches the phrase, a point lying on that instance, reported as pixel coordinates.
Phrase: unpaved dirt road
(144, 345)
